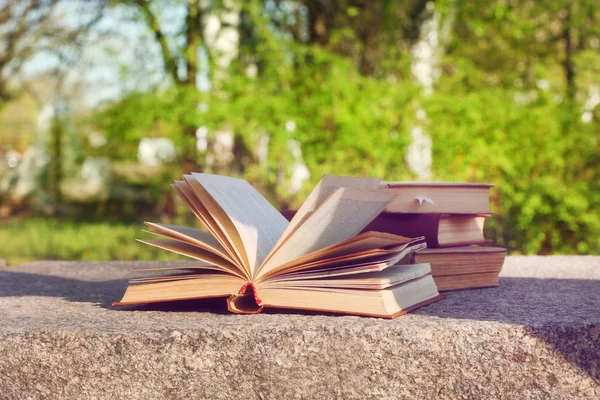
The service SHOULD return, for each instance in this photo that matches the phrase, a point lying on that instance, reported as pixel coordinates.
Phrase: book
(439, 197)
(481, 280)
(319, 260)
(439, 230)
(464, 267)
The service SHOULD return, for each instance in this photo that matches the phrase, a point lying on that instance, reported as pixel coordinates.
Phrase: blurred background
(104, 103)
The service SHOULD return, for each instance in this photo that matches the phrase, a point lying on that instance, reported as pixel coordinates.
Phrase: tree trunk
(431, 38)
(193, 26)
(424, 63)
(193, 36)
(56, 164)
(568, 61)
(321, 16)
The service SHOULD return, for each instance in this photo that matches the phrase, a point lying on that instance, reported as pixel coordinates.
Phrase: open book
(255, 258)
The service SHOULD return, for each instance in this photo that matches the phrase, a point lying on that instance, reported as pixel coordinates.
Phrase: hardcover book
(439, 230)
(464, 267)
(253, 257)
(439, 197)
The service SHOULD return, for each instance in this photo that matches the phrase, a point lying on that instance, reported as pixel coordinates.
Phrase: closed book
(464, 267)
(439, 197)
(448, 283)
(440, 230)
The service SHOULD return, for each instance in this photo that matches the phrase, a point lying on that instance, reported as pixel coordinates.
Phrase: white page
(370, 280)
(360, 243)
(195, 237)
(324, 188)
(221, 219)
(349, 268)
(343, 215)
(258, 223)
(197, 253)
(186, 193)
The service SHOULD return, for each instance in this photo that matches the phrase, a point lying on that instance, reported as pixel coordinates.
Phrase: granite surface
(535, 336)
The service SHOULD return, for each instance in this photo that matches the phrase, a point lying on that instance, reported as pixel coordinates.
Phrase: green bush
(53, 239)
(535, 149)
(542, 158)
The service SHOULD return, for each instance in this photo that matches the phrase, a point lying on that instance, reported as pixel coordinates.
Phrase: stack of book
(451, 217)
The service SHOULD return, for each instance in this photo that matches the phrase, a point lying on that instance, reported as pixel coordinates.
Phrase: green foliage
(507, 108)
(344, 122)
(542, 159)
(51, 239)
(146, 114)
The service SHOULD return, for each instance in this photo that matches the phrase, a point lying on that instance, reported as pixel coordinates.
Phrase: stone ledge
(535, 336)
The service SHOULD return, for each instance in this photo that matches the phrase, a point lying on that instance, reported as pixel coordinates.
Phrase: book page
(349, 267)
(187, 194)
(352, 247)
(194, 252)
(324, 188)
(257, 223)
(221, 219)
(370, 280)
(192, 236)
(193, 273)
(366, 256)
(343, 215)
(215, 285)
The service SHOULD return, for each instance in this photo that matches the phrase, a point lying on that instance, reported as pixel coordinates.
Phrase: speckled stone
(536, 336)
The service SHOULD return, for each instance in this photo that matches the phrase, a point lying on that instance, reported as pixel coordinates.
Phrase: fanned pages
(325, 188)
(344, 214)
(252, 256)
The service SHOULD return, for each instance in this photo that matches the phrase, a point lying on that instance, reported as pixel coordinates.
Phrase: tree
(180, 58)
(515, 102)
(32, 27)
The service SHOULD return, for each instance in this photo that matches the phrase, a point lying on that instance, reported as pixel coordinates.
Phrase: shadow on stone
(564, 313)
(102, 293)
(212, 305)
(525, 301)
(25, 284)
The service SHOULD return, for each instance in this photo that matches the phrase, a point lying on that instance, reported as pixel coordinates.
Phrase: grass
(23, 240)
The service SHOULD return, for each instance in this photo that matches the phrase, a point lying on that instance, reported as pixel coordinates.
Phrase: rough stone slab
(535, 336)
